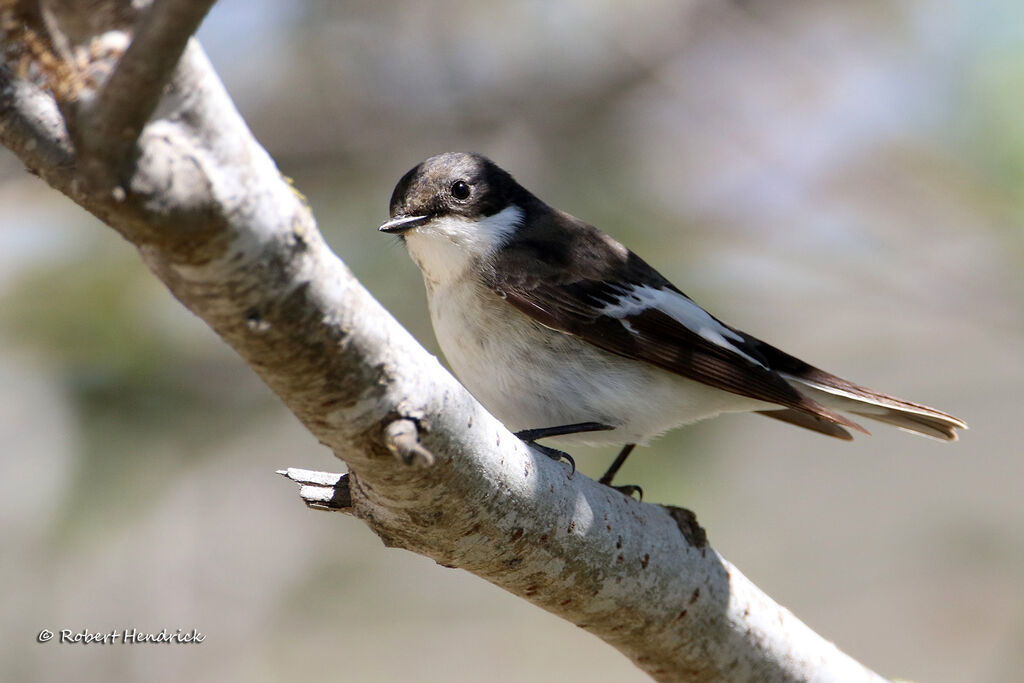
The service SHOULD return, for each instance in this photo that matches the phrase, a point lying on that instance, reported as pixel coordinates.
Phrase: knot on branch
(402, 438)
(691, 530)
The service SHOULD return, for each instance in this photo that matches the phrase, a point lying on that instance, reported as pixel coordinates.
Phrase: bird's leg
(530, 436)
(606, 479)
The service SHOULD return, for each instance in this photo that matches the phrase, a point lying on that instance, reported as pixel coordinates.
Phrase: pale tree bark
(119, 109)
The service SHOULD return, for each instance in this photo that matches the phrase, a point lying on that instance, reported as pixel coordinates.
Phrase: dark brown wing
(535, 275)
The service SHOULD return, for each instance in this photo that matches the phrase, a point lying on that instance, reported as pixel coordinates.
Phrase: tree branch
(110, 119)
(215, 221)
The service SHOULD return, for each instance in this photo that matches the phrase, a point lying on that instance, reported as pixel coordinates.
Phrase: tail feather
(911, 417)
(810, 421)
(918, 424)
(839, 394)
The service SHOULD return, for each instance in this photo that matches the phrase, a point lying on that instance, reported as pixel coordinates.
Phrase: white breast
(530, 376)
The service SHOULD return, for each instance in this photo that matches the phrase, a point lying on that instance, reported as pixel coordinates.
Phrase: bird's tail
(839, 394)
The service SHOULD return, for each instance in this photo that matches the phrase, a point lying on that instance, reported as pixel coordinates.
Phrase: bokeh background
(841, 179)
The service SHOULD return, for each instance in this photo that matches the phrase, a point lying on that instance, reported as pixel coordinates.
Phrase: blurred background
(844, 180)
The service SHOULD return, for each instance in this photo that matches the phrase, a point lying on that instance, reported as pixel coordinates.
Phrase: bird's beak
(399, 225)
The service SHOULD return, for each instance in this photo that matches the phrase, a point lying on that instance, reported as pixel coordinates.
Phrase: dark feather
(808, 421)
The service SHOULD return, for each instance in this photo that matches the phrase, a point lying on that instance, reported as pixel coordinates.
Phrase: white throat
(446, 247)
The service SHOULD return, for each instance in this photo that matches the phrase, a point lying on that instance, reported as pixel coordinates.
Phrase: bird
(559, 330)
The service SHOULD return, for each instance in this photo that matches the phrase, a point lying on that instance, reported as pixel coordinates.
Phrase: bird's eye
(460, 190)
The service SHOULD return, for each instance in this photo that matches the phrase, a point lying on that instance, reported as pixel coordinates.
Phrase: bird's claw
(629, 489)
(554, 454)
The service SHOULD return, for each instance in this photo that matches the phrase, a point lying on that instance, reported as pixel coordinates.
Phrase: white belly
(530, 376)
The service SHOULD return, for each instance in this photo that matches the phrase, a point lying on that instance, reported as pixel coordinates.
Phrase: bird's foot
(628, 490)
(530, 437)
(554, 454)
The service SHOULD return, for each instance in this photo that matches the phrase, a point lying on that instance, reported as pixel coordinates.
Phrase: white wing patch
(634, 300)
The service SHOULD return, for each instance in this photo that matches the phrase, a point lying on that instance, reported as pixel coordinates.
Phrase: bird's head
(454, 210)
